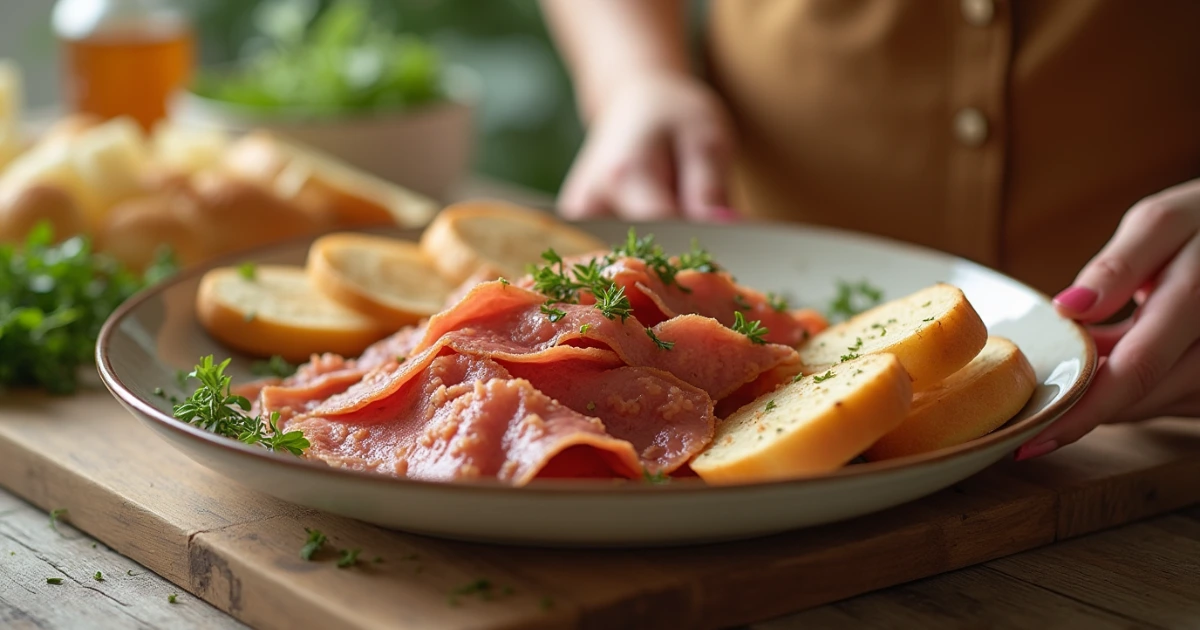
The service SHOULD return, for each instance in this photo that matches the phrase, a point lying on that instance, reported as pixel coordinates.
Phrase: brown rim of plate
(617, 486)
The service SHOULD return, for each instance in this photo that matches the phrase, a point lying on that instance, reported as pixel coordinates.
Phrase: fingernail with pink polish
(1030, 451)
(1076, 299)
(722, 214)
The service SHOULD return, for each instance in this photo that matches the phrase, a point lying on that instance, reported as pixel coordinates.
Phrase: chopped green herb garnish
(54, 297)
(657, 477)
(478, 586)
(754, 330)
(778, 303)
(927, 304)
(584, 329)
(927, 319)
(54, 580)
(796, 378)
(93, 545)
(849, 357)
(665, 345)
(857, 372)
(612, 302)
(740, 301)
(158, 391)
(171, 598)
(553, 314)
(275, 366)
(697, 259)
(98, 577)
(349, 558)
(504, 281)
(129, 572)
(248, 270)
(882, 330)
(852, 299)
(213, 408)
(824, 377)
(400, 359)
(591, 406)
(857, 345)
(56, 514)
(770, 406)
(315, 541)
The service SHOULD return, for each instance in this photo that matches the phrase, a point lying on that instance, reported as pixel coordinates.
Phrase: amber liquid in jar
(132, 72)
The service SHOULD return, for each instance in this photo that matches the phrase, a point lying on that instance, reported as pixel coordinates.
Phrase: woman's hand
(1150, 363)
(659, 146)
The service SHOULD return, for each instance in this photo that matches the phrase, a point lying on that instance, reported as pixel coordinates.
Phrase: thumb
(702, 156)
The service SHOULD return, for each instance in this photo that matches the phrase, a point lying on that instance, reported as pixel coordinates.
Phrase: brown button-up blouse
(1011, 132)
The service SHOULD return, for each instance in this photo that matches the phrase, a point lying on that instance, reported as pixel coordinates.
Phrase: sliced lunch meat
(466, 418)
(666, 420)
(703, 353)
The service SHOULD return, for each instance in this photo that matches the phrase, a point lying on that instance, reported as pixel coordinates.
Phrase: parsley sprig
(562, 286)
(53, 300)
(754, 330)
(214, 408)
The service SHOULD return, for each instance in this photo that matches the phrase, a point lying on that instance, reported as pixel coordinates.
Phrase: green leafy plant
(335, 62)
(214, 408)
(53, 300)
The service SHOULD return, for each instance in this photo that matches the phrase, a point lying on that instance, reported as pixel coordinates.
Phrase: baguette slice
(326, 185)
(933, 332)
(386, 279)
(469, 235)
(279, 312)
(809, 427)
(970, 403)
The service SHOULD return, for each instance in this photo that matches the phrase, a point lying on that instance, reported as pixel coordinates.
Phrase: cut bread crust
(278, 311)
(969, 404)
(809, 427)
(933, 332)
(507, 237)
(389, 280)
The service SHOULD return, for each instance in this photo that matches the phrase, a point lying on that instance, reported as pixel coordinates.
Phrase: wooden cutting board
(239, 549)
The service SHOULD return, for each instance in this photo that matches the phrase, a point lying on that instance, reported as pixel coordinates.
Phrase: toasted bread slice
(469, 235)
(934, 332)
(278, 311)
(326, 185)
(809, 427)
(387, 279)
(970, 403)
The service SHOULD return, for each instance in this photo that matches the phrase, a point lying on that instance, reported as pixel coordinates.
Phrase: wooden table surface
(1144, 575)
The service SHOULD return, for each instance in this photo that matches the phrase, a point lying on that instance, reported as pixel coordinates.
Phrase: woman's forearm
(605, 42)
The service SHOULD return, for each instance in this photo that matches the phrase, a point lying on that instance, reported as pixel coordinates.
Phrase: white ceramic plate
(156, 333)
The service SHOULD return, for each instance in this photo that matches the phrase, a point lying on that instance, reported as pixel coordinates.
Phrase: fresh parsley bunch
(213, 407)
(53, 300)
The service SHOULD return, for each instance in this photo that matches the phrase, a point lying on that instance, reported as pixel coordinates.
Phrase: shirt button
(970, 127)
(978, 12)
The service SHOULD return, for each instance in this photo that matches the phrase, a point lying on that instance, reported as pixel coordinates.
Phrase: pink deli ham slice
(466, 418)
(666, 420)
(706, 354)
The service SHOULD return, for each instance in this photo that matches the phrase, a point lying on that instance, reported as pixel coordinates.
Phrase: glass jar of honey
(123, 57)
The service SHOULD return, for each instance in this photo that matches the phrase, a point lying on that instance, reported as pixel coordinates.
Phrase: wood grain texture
(978, 597)
(238, 549)
(1161, 590)
(128, 596)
